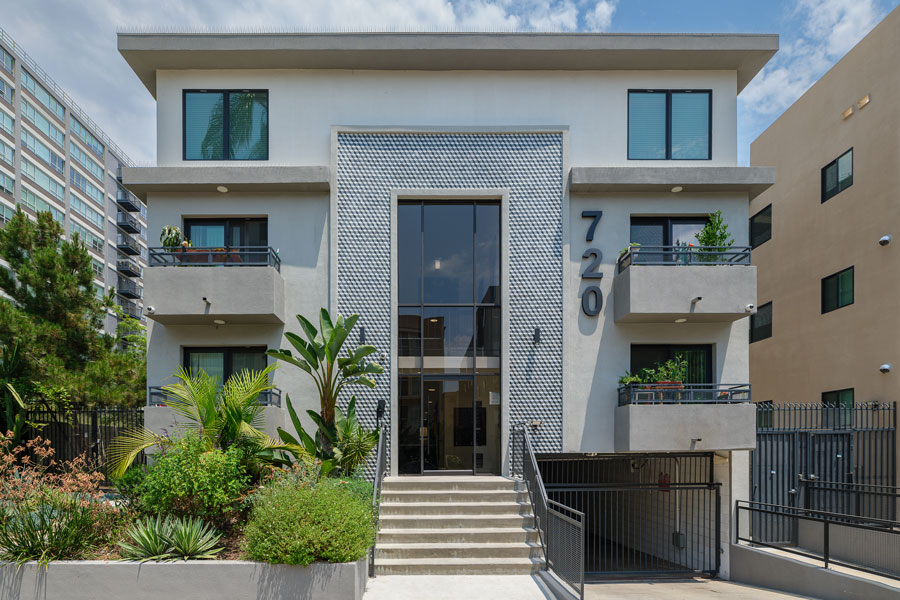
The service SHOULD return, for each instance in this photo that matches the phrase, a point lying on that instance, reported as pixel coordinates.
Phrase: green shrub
(191, 481)
(170, 539)
(300, 524)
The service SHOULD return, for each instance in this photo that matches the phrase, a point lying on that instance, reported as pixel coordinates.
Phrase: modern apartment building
(825, 236)
(469, 195)
(53, 157)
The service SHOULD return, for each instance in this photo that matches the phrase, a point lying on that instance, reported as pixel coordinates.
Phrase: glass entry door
(449, 337)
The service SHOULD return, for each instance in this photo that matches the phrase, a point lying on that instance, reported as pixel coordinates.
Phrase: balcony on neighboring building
(129, 308)
(184, 285)
(157, 397)
(664, 284)
(676, 417)
(127, 222)
(128, 267)
(128, 201)
(127, 244)
(128, 288)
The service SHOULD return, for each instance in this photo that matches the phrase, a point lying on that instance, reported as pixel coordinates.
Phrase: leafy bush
(300, 524)
(170, 539)
(191, 480)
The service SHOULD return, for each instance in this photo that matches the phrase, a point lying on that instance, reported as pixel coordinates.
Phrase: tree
(55, 317)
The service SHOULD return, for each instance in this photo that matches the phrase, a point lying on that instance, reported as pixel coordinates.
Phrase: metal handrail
(684, 255)
(380, 471)
(157, 397)
(216, 256)
(548, 515)
(679, 393)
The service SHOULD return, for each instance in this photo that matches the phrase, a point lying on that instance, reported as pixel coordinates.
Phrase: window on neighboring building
(838, 408)
(6, 91)
(7, 183)
(226, 125)
(6, 213)
(90, 240)
(7, 153)
(761, 227)
(6, 60)
(82, 184)
(837, 175)
(837, 290)
(761, 323)
(82, 208)
(43, 151)
(97, 268)
(43, 124)
(37, 175)
(85, 136)
(222, 363)
(82, 158)
(38, 204)
(42, 95)
(669, 124)
(6, 122)
(698, 357)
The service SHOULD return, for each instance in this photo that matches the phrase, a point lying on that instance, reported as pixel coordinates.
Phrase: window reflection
(448, 253)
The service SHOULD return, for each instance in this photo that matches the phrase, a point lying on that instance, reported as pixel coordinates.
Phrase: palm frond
(126, 447)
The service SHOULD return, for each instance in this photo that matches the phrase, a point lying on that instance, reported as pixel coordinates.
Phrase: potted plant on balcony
(714, 238)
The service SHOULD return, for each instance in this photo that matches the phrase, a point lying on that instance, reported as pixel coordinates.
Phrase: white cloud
(600, 18)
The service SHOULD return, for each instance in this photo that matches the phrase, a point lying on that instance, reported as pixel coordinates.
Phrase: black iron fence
(157, 397)
(85, 432)
(560, 527)
(678, 393)
(211, 256)
(684, 255)
(862, 543)
(380, 473)
(862, 500)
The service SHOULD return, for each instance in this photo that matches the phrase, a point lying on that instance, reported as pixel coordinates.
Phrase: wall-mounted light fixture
(537, 335)
(885, 368)
(362, 335)
(863, 101)
(847, 113)
(885, 240)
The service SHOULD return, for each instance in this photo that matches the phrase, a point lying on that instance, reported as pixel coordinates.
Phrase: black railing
(128, 223)
(684, 255)
(380, 472)
(128, 288)
(861, 543)
(689, 393)
(128, 202)
(560, 528)
(157, 397)
(856, 499)
(128, 267)
(127, 244)
(814, 417)
(211, 256)
(130, 308)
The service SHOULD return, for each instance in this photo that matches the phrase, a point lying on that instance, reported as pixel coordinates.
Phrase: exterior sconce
(885, 368)
(885, 240)
(362, 335)
(537, 335)
(863, 101)
(847, 113)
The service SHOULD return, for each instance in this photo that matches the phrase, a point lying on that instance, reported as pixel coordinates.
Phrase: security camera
(885, 240)
(750, 307)
(151, 309)
(885, 368)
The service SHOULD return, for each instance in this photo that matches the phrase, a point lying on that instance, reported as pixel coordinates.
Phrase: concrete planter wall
(197, 580)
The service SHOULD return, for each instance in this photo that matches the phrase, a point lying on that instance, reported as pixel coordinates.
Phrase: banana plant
(320, 356)
(348, 443)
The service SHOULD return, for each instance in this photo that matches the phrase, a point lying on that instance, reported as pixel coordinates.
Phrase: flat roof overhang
(148, 52)
(141, 180)
(752, 180)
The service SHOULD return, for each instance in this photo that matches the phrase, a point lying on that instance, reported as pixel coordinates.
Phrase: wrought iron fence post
(95, 434)
(826, 549)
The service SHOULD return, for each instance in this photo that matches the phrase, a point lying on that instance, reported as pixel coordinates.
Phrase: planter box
(196, 580)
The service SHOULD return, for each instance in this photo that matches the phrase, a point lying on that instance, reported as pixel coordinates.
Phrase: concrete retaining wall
(197, 580)
(767, 569)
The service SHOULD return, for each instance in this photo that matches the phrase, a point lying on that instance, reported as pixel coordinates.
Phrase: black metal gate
(643, 514)
(847, 447)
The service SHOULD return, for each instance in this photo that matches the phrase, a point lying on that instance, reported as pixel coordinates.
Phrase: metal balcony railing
(129, 289)
(157, 397)
(130, 308)
(128, 202)
(128, 223)
(684, 393)
(127, 244)
(128, 267)
(684, 255)
(228, 256)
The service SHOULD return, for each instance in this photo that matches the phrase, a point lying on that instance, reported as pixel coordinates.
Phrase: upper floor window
(43, 96)
(761, 323)
(226, 125)
(838, 405)
(87, 137)
(227, 232)
(6, 60)
(669, 124)
(837, 290)
(761, 227)
(837, 175)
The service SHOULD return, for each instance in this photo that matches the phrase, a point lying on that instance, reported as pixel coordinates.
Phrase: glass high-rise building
(53, 157)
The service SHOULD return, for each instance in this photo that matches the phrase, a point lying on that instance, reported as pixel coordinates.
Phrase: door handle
(423, 432)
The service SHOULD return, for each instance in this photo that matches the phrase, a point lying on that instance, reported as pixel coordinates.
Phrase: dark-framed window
(666, 231)
(837, 290)
(837, 175)
(699, 359)
(227, 232)
(669, 124)
(225, 124)
(837, 408)
(222, 362)
(761, 227)
(761, 323)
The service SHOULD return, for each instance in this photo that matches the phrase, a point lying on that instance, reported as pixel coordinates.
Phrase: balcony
(672, 417)
(157, 397)
(129, 308)
(184, 286)
(128, 267)
(129, 289)
(128, 223)
(127, 244)
(128, 202)
(662, 284)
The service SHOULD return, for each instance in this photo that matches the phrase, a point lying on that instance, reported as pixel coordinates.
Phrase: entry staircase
(447, 525)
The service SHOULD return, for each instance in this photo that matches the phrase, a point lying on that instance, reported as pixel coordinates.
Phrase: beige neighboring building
(828, 326)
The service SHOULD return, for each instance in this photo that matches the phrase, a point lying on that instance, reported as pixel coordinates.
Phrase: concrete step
(457, 496)
(416, 509)
(453, 521)
(480, 535)
(459, 550)
(457, 566)
(448, 483)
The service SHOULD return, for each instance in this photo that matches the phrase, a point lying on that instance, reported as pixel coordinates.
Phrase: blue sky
(75, 42)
